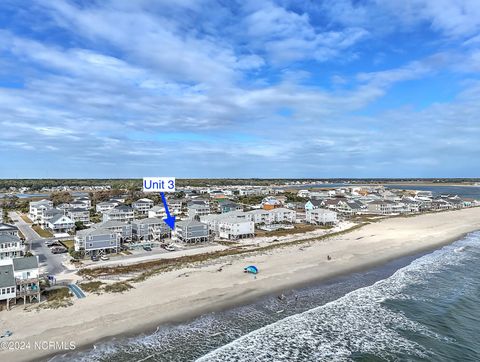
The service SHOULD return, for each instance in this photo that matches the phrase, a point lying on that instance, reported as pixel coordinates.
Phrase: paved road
(50, 263)
(134, 259)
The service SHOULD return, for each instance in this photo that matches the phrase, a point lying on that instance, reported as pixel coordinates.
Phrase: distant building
(143, 205)
(60, 223)
(158, 211)
(79, 215)
(321, 217)
(37, 208)
(197, 210)
(228, 206)
(119, 213)
(105, 206)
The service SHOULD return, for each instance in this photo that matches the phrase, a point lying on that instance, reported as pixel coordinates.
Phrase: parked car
(147, 248)
(170, 248)
(104, 257)
(58, 250)
(94, 258)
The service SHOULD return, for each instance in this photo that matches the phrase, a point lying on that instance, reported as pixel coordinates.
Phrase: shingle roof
(7, 227)
(6, 276)
(29, 262)
(9, 239)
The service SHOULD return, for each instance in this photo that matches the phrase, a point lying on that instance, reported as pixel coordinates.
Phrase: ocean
(417, 308)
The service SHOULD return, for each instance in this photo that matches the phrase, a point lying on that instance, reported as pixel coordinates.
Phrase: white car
(104, 257)
(170, 248)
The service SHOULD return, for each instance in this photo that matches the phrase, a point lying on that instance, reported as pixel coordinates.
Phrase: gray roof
(122, 208)
(29, 262)
(7, 227)
(109, 224)
(6, 276)
(189, 223)
(94, 232)
(148, 220)
(9, 239)
(58, 217)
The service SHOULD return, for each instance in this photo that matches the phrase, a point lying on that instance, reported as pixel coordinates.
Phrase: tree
(61, 197)
(79, 225)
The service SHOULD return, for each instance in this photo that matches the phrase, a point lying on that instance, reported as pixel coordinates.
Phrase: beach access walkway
(77, 291)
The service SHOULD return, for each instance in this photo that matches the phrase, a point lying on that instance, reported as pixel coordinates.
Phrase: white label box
(159, 184)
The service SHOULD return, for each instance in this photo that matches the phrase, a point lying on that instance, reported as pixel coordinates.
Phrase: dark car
(147, 248)
(94, 258)
(58, 250)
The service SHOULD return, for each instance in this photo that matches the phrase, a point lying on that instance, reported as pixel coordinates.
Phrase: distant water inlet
(410, 309)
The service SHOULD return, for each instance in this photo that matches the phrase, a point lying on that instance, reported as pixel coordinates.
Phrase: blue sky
(334, 88)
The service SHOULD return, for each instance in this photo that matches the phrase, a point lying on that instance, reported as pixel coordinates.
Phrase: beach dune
(182, 294)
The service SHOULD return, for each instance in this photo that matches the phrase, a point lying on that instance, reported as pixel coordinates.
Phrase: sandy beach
(182, 294)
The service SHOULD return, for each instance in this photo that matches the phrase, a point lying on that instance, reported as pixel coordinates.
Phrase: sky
(207, 88)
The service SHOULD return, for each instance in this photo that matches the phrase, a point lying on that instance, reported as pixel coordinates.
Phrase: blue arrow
(169, 220)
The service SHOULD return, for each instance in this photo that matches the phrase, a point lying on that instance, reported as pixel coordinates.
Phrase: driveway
(49, 263)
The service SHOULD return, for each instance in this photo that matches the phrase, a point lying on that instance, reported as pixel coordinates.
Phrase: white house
(106, 206)
(37, 209)
(158, 211)
(142, 205)
(198, 210)
(60, 223)
(11, 246)
(236, 228)
(82, 215)
(283, 215)
(119, 213)
(321, 217)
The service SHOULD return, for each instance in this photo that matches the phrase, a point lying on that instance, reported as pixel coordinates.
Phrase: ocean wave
(362, 322)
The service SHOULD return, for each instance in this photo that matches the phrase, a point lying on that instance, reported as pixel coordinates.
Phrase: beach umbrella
(251, 269)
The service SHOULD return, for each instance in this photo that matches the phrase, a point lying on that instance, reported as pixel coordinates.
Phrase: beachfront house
(11, 246)
(283, 215)
(95, 241)
(236, 228)
(26, 273)
(121, 228)
(321, 217)
(119, 213)
(19, 278)
(150, 229)
(382, 207)
(191, 231)
(143, 205)
(8, 286)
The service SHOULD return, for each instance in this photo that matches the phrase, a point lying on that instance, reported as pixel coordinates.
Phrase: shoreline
(148, 330)
(171, 298)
